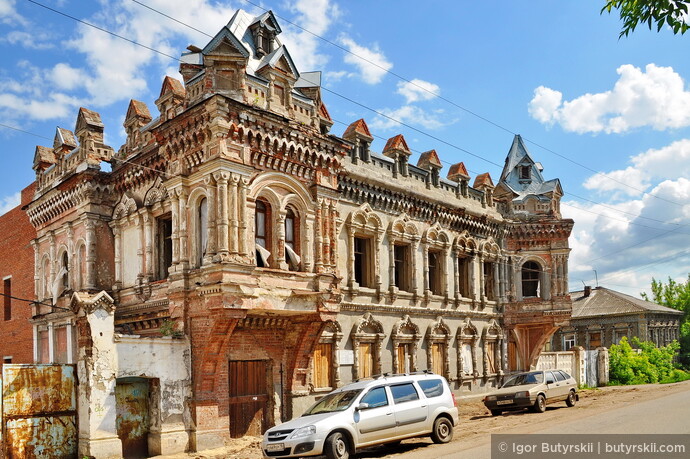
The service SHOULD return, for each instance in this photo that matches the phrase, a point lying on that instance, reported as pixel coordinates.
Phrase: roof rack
(390, 375)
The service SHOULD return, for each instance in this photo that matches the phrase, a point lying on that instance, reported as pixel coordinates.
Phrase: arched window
(530, 279)
(262, 235)
(292, 248)
(202, 231)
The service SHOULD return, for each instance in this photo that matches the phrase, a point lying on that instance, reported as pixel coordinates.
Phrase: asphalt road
(634, 413)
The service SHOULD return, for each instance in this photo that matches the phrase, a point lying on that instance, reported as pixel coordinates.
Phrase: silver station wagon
(385, 409)
(534, 390)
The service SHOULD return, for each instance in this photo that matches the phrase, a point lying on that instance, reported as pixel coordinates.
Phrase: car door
(411, 409)
(557, 390)
(374, 416)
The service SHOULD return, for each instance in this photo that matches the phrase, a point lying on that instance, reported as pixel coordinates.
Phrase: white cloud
(655, 97)
(370, 62)
(409, 114)
(416, 90)
(8, 13)
(315, 17)
(670, 162)
(630, 241)
(66, 77)
(30, 40)
(10, 202)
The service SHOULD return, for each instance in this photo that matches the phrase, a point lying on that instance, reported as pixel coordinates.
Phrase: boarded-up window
(365, 360)
(467, 367)
(438, 361)
(61, 345)
(594, 340)
(490, 350)
(323, 368)
(43, 347)
(404, 357)
(280, 93)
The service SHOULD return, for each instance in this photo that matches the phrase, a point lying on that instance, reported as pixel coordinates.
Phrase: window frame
(529, 276)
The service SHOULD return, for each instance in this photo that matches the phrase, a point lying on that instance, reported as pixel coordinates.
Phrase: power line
(333, 92)
(451, 102)
(36, 302)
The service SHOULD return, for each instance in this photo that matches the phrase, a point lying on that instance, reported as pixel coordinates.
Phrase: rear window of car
(559, 376)
(431, 387)
(565, 375)
(404, 393)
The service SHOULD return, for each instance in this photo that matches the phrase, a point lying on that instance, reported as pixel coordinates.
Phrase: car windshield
(336, 401)
(525, 378)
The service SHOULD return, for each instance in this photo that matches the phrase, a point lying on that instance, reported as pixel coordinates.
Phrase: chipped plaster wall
(168, 361)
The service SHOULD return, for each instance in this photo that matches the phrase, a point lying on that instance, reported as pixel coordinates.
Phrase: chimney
(588, 290)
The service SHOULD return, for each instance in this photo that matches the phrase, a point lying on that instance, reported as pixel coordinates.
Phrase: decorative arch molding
(127, 206)
(435, 247)
(370, 331)
(405, 333)
(492, 338)
(366, 224)
(269, 180)
(157, 193)
(438, 337)
(332, 334)
(403, 228)
(468, 340)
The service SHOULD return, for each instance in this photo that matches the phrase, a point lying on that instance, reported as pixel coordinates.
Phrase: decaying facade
(239, 260)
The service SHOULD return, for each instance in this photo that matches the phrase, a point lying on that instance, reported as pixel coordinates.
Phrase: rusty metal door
(248, 397)
(132, 416)
(39, 416)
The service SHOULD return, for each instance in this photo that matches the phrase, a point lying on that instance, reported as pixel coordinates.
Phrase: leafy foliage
(647, 364)
(675, 295)
(658, 13)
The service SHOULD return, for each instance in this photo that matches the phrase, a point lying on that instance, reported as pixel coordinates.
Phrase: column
(37, 270)
(175, 236)
(425, 266)
(456, 275)
(497, 294)
(233, 213)
(333, 238)
(482, 285)
(70, 343)
(280, 233)
(222, 222)
(472, 268)
(391, 264)
(326, 237)
(212, 218)
(319, 241)
(350, 258)
(413, 255)
(117, 232)
(138, 221)
(51, 343)
(242, 210)
(148, 243)
(36, 344)
(184, 251)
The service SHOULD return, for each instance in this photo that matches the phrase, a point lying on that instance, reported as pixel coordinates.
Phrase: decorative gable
(396, 145)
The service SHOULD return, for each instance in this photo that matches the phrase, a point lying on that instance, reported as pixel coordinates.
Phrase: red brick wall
(17, 260)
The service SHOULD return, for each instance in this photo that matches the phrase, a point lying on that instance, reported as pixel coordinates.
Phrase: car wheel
(570, 401)
(336, 446)
(539, 404)
(443, 430)
(496, 412)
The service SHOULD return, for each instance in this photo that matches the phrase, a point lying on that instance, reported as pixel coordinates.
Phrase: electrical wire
(330, 91)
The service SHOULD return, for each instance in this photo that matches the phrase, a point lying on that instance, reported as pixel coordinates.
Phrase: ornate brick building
(278, 260)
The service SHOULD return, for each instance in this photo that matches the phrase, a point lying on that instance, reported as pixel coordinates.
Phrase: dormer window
(525, 172)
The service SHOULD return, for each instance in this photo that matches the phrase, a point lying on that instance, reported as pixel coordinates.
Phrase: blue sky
(554, 72)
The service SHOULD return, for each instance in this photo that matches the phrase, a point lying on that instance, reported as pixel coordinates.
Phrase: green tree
(675, 295)
(638, 362)
(673, 13)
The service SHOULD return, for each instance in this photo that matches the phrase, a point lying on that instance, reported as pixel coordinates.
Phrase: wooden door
(248, 383)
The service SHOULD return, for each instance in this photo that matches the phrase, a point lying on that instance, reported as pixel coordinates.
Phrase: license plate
(504, 402)
(275, 447)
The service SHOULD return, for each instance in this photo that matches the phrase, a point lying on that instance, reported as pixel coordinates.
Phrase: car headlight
(303, 432)
(523, 394)
(490, 398)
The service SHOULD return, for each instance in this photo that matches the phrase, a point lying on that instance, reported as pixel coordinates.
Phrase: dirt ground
(476, 423)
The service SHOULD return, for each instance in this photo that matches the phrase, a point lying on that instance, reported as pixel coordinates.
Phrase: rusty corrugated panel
(41, 437)
(32, 389)
(39, 411)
